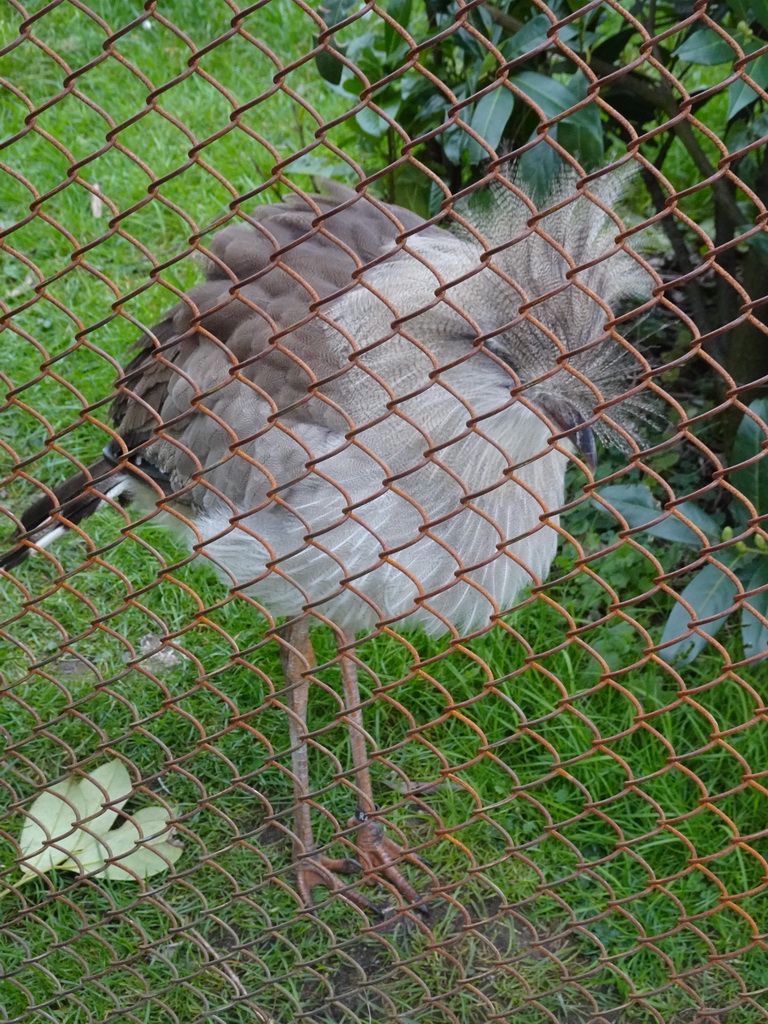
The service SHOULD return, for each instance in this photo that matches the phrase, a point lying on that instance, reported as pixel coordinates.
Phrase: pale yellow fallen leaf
(140, 847)
(69, 826)
(49, 820)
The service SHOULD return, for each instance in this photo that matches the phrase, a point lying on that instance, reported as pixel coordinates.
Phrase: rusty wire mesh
(591, 813)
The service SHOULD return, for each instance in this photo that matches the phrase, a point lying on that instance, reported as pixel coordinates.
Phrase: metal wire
(583, 816)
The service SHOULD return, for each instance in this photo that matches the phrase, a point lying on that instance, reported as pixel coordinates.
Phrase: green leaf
(552, 96)
(371, 123)
(540, 166)
(400, 10)
(489, 117)
(388, 100)
(329, 66)
(741, 93)
(637, 505)
(334, 11)
(581, 132)
(711, 592)
(317, 166)
(705, 46)
(532, 34)
(746, 11)
(705, 522)
(743, 132)
(753, 633)
(750, 440)
(612, 46)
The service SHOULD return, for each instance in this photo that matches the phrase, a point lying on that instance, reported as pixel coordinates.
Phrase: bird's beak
(578, 431)
(586, 444)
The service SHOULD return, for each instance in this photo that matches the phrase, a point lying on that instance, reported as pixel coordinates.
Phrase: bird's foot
(316, 869)
(380, 855)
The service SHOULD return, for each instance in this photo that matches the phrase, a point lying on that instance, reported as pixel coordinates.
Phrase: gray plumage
(354, 413)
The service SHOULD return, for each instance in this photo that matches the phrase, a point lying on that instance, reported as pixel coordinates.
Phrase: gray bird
(363, 419)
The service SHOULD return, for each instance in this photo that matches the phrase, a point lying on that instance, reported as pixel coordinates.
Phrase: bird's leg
(377, 853)
(312, 869)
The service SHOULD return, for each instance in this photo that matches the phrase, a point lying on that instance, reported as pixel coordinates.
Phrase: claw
(380, 855)
(316, 869)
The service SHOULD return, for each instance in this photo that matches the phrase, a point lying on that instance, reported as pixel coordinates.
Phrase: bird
(363, 418)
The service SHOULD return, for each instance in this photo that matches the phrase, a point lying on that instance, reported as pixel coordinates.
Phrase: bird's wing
(213, 371)
(221, 356)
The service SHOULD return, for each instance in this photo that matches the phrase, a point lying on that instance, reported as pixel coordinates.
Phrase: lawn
(593, 822)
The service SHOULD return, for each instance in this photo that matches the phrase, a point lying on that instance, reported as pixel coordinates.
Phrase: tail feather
(68, 504)
(572, 276)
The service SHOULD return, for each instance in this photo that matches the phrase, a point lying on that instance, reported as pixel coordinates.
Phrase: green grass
(584, 846)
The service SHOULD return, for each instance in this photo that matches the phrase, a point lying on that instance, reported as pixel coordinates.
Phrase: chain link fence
(552, 810)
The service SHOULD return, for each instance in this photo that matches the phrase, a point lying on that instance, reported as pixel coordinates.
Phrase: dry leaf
(140, 847)
(69, 826)
(148, 845)
(155, 654)
(97, 206)
(26, 285)
(51, 828)
(50, 818)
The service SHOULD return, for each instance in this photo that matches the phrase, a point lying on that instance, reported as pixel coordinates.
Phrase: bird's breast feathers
(404, 484)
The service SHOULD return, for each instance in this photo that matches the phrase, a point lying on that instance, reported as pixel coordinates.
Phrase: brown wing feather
(262, 275)
(290, 256)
